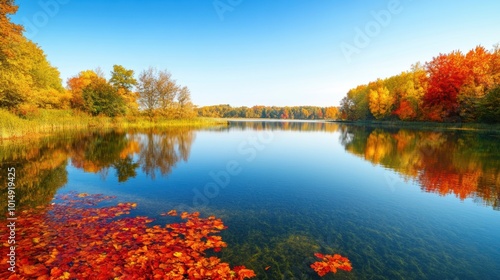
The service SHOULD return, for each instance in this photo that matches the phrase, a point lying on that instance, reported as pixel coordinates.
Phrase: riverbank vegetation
(453, 87)
(47, 121)
(33, 99)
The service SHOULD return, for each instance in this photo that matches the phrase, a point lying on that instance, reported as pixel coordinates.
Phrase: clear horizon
(246, 53)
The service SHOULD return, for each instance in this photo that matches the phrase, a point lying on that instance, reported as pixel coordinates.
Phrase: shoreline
(388, 124)
(424, 125)
(49, 122)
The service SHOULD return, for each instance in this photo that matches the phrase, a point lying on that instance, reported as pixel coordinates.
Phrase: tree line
(28, 82)
(269, 112)
(453, 87)
(156, 95)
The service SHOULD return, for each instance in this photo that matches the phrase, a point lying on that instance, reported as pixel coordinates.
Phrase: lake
(399, 203)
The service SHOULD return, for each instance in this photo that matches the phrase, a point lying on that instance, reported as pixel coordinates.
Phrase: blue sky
(258, 52)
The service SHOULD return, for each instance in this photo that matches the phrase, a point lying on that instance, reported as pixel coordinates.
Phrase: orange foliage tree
(76, 85)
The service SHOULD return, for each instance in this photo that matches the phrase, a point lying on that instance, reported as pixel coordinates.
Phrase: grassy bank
(425, 125)
(49, 121)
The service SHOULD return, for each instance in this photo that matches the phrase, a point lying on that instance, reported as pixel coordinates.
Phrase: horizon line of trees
(453, 87)
(269, 112)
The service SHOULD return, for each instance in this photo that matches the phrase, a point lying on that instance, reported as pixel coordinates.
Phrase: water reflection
(41, 164)
(465, 164)
(40, 169)
(161, 150)
(284, 125)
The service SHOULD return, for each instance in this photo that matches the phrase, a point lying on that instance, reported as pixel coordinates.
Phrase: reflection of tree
(160, 151)
(460, 163)
(157, 151)
(98, 151)
(41, 164)
(284, 125)
(125, 168)
(40, 171)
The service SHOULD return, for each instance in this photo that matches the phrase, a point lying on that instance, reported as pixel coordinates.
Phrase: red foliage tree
(447, 74)
(405, 111)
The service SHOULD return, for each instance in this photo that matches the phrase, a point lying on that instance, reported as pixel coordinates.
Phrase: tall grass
(48, 121)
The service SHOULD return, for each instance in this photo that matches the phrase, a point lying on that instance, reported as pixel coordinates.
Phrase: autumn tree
(26, 77)
(479, 80)
(185, 108)
(332, 113)
(157, 92)
(411, 97)
(76, 84)
(381, 102)
(10, 33)
(122, 78)
(123, 81)
(447, 74)
(355, 105)
(99, 97)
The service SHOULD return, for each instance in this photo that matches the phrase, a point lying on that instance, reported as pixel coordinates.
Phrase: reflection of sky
(306, 181)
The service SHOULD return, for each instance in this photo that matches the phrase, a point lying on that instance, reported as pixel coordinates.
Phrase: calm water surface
(400, 203)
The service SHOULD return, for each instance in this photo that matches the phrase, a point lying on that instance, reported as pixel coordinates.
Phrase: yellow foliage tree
(332, 113)
(26, 77)
(380, 102)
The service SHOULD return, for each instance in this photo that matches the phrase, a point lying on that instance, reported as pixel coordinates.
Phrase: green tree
(123, 81)
(489, 106)
(102, 98)
(122, 78)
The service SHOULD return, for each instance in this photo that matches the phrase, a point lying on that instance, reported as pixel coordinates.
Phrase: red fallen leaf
(267, 268)
(245, 273)
(77, 239)
(172, 213)
(330, 263)
(56, 272)
(319, 255)
(217, 249)
(34, 270)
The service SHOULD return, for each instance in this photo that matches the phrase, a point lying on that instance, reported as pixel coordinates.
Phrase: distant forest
(266, 112)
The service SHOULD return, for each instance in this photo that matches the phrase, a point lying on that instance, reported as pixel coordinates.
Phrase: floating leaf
(330, 263)
(82, 242)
